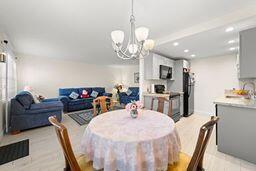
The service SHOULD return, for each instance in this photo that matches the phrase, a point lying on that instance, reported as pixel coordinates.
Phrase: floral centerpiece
(133, 108)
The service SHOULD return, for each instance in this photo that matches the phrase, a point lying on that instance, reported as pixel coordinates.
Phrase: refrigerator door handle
(189, 85)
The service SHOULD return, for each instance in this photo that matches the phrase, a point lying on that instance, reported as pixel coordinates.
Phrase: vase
(134, 113)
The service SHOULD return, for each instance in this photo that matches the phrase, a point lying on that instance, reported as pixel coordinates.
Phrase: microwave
(165, 72)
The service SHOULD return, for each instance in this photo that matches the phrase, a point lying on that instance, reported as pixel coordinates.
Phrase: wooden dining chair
(195, 163)
(72, 163)
(161, 101)
(102, 104)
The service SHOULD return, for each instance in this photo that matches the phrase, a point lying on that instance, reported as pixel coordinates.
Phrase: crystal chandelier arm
(122, 56)
(140, 49)
(125, 56)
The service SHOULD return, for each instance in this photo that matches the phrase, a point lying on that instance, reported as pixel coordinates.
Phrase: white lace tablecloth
(115, 141)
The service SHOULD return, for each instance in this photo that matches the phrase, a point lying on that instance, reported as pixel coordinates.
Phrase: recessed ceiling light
(229, 29)
(176, 44)
(231, 41)
(232, 48)
(193, 55)
(186, 50)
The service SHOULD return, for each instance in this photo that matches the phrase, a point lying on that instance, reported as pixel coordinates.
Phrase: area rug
(14, 151)
(85, 116)
(82, 117)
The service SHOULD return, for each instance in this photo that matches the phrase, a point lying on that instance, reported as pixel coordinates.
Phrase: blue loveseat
(79, 104)
(26, 114)
(125, 99)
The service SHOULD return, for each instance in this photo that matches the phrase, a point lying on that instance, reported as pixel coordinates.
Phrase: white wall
(127, 75)
(47, 75)
(213, 75)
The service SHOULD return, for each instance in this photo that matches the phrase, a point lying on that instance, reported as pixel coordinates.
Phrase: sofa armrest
(64, 99)
(107, 94)
(16, 108)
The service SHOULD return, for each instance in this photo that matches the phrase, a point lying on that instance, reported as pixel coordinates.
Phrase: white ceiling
(80, 29)
(210, 43)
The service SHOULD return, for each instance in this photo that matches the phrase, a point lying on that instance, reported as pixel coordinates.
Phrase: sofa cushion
(67, 91)
(100, 90)
(80, 101)
(25, 99)
(45, 107)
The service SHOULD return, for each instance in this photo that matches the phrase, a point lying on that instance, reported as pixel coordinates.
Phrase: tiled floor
(45, 152)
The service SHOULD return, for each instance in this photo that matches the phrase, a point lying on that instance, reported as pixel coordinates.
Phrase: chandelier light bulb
(133, 48)
(149, 44)
(141, 33)
(138, 44)
(117, 36)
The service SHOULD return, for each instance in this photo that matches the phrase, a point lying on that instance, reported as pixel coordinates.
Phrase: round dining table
(116, 141)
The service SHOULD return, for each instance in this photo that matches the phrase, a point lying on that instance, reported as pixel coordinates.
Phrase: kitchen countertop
(160, 95)
(236, 102)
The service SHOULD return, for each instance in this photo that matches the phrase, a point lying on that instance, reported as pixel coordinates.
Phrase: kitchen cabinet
(236, 130)
(247, 55)
(152, 65)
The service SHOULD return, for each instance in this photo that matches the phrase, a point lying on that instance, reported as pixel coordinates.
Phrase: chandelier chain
(132, 7)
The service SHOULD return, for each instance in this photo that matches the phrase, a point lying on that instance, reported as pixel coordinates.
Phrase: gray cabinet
(247, 56)
(152, 64)
(236, 131)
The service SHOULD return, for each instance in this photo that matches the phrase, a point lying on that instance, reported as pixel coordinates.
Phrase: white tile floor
(46, 154)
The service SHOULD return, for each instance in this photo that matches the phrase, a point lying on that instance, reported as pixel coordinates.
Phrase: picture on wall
(136, 77)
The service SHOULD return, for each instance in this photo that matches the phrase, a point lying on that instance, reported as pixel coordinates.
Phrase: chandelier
(138, 44)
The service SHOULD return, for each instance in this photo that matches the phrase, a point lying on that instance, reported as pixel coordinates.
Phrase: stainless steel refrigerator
(188, 89)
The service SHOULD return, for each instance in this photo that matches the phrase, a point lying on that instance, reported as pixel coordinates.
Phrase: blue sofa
(26, 114)
(125, 99)
(79, 104)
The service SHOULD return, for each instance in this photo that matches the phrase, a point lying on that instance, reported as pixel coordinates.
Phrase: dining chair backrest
(62, 134)
(102, 102)
(196, 162)
(161, 101)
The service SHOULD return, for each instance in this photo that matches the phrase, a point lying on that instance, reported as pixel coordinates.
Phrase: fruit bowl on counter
(237, 94)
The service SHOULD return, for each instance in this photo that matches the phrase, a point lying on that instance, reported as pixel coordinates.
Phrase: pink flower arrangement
(134, 105)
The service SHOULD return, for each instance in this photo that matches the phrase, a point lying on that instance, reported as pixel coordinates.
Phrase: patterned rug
(85, 116)
(82, 117)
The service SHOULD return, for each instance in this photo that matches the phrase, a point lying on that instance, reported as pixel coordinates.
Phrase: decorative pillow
(129, 92)
(94, 94)
(74, 95)
(84, 94)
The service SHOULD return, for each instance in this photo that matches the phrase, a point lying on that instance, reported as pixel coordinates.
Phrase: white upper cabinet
(247, 56)
(152, 64)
